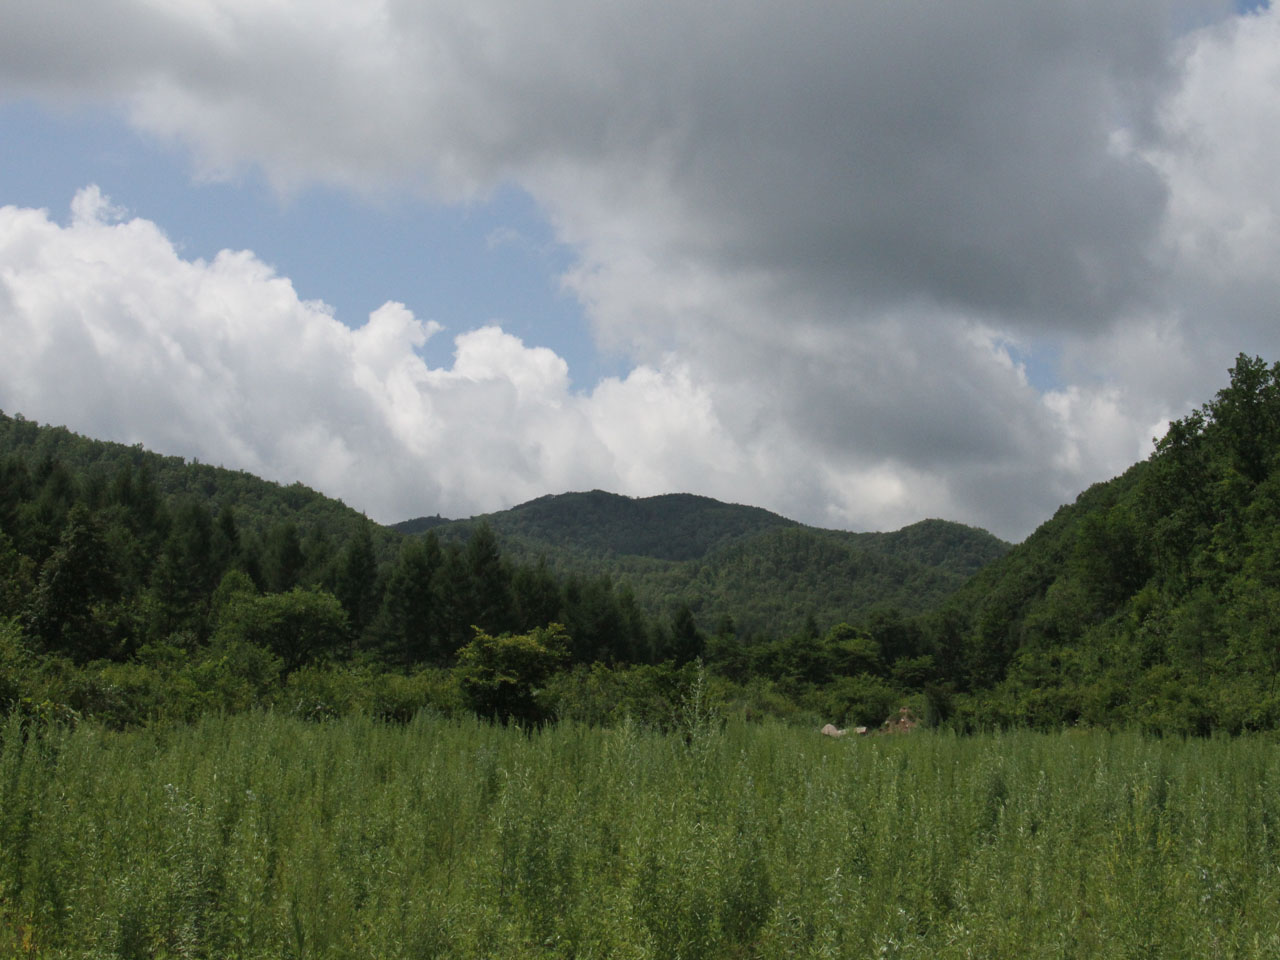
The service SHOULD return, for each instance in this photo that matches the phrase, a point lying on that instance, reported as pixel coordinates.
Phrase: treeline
(125, 602)
(1153, 601)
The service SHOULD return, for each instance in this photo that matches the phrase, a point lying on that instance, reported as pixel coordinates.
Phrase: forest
(136, 587)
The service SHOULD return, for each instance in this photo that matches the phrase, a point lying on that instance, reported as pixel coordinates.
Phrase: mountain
(1153, 599)
(419, 524)
(594, 525)
(767, 573)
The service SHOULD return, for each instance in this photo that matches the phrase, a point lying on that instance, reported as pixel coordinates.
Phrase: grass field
(260, 836)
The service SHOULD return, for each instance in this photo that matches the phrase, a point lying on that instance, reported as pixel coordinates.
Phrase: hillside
(1153, 599)
(582, 529)
(259, 505)
(768, 574)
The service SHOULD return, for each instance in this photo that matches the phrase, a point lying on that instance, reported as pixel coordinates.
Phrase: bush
(863, 700)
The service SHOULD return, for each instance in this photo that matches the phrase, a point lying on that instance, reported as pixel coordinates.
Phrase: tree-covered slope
(110, 553)
(259, 504)
(593, 525)
(776, 580)
(768, 574)
(1154, 598)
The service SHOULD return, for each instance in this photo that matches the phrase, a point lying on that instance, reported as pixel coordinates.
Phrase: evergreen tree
(356, 585)
(186, 573)
(687, 641)
(410, 620)
(284, 561)
(75, 580)
(490, 582)
(535, 595)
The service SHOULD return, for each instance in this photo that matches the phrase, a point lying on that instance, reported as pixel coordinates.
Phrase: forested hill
(61, 460)
(594, 525)
(1153, 599)
(676, 526)
(767, 574)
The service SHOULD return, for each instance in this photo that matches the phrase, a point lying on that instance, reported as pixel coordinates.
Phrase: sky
(861, 264)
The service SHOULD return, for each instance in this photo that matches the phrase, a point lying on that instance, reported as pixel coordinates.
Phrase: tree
(356, 584)
(73, 582)
(1109, 558)
(284, 560)
(297, 626)
(410, 619)
(536, 595)
(852, 651)
(17, 578)
(687, 641)
(503, 677)
(595, 621)
(186, 572)
(1247, 415)
(894, 634)
(490, 581)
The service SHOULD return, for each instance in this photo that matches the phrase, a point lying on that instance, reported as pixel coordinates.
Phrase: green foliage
(48, 461)
(853, 651)
(502, 677)
(862, 700)
(75, 582)
(136, 588)
(410, 623)
(674, 527)
(356, 582)
(648, 695)
(297, 626)
(766, 572)
(687, 641)
(1152, 600)
(16, 664)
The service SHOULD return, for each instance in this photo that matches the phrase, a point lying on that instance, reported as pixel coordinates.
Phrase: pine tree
(73, 582)
(356, 585)
(409, 624)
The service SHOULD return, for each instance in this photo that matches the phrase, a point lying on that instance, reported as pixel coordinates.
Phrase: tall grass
(263, 836)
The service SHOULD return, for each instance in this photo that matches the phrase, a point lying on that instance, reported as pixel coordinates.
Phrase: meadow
(266, 836)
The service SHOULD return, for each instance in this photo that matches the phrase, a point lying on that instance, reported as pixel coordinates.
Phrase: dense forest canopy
(135, 586)
(770, 575)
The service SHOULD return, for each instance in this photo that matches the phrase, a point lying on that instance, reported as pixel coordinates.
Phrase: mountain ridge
(731, 560)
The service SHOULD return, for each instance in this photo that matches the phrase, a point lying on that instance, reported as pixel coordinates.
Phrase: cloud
(115, 334)
(959, 152)
(112, 332)
(823, 235)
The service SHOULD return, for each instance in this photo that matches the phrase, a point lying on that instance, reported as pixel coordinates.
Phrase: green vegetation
(56, 457)
(769, 574)
(263, 836)
(135, 588)
(1152, 600)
